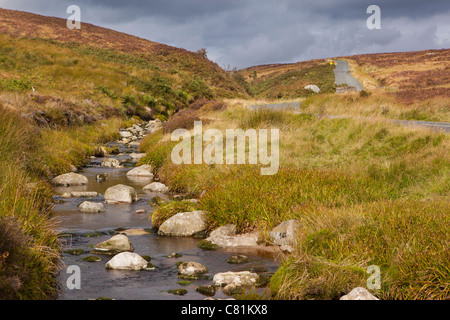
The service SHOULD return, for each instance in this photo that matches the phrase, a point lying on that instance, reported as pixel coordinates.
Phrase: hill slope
(97, 71)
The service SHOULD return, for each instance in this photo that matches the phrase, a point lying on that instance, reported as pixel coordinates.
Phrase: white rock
(70, 179)
(127, 261)
(142, 171)
(359, 294)
(156, 187)
(126, 134)
(191, 268)
(285, 233)
(118, 242)
(137, 156)
(225, 237)
(239, 279)
(313, 87)
(111, 163)
(184, 224)
(121, 193)
(91, 207)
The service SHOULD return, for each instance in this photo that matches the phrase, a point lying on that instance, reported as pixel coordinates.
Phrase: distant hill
(409, 76)
(98, 71)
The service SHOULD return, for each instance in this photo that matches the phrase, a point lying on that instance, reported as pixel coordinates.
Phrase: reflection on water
(96, 281)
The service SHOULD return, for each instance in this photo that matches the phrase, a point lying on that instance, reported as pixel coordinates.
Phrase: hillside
(95, 72)
(409, 76)
(287, 81)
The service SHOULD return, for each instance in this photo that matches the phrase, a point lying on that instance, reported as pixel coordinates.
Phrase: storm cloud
(242, 33)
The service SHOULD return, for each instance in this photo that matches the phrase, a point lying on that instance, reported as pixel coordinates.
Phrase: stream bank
(84, 231)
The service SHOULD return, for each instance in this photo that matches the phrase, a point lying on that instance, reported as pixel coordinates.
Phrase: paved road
(277, 106)
(343, 75)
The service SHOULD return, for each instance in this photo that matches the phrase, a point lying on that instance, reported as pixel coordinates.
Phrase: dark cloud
(249, 32)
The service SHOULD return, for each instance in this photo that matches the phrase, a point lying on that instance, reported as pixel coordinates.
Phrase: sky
(244, 33)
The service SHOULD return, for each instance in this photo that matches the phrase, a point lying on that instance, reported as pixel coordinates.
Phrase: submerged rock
(83, 194)
(178, 292)
(91, 207)
(70, 179)
(127, 261)
(121, 193)
(206, 290)
(92, 259)
(359, 294)
(184, 224)
(239, 259)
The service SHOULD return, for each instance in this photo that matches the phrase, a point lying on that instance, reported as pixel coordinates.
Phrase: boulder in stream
(191, 269)
(142, 171)
(184, 224)
(127, 261)
(116, 244)
(91, 207)
(121, 194)
(70, 179)
(111, 163)
(239, 279)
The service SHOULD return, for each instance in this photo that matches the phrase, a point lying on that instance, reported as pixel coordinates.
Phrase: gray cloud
(242, 33)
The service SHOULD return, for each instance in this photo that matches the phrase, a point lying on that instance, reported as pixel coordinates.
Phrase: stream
(85, 230)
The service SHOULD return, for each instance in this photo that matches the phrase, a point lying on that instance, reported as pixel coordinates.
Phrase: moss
(93, 234)
(240, 259)
(206, 290)
(75, 252)
(184, 282)
(194, 277)
(207, 245)
(178, 292)
(92, 259)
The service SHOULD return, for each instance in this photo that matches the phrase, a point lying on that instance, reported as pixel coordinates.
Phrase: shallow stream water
(98, 282)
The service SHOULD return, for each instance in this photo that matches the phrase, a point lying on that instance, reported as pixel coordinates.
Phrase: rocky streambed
(103, 215)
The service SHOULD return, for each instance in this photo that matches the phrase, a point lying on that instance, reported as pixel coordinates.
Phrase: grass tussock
(167, 210)
(28, 243)
(365, 193)
(406, 239)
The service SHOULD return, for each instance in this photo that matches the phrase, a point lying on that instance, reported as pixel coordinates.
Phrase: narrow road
(436, 126)
(343, 75)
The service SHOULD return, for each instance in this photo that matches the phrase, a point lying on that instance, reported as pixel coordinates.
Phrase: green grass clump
(249, 200)
(167, 210)
(408, 240)
(29, 250)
